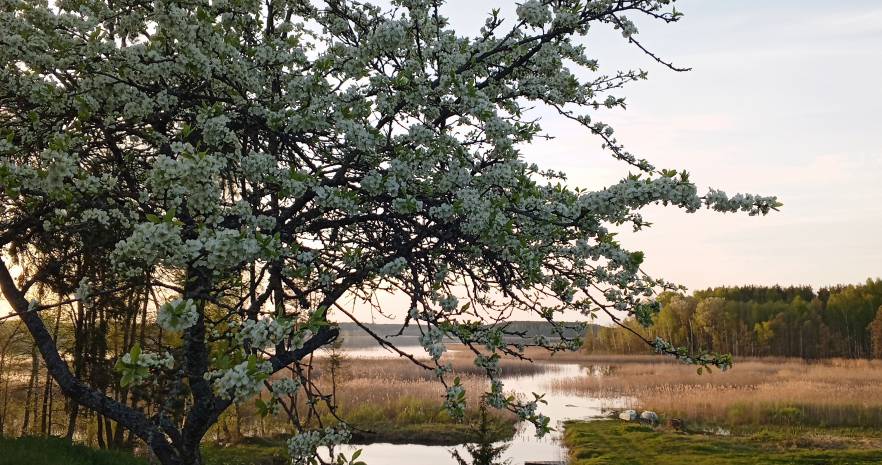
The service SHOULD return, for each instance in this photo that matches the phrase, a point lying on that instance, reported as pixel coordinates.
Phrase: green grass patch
(246, 453)
(55, 451)
(619, 443)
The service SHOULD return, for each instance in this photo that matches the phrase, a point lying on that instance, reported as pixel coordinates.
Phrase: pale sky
(784, 98)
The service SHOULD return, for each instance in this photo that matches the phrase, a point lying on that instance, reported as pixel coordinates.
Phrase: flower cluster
(303, 446)
(534, 12)
(528, 411)
(285, 387)
(455, 401)
(242, 381)
(394, 268)
(147, 244)
(84, 290)
(265, 332)
(432, 341)
(177, 315)
(135, 366)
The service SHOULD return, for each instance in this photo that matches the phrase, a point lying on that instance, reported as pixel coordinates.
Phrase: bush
(786, 416)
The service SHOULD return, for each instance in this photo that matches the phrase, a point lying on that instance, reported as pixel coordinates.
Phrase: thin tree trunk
(45, 414)
(100, 433)
(108, 431)
(51, 404)
(78, 320)
(44, 411)
(4, 379)
(35, 364)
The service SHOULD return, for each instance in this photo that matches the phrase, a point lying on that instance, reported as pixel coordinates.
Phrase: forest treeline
(797, 321)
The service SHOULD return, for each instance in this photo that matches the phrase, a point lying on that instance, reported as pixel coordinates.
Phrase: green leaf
(136, 352)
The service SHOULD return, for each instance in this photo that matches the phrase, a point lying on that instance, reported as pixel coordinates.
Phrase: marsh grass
(387, 400)
(52, 451)
(831, 393)
(616, 442)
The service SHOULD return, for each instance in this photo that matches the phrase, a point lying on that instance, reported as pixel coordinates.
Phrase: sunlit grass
(754, 392)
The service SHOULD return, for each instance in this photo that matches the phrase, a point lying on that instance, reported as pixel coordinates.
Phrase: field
(762, 411)
(826, 393)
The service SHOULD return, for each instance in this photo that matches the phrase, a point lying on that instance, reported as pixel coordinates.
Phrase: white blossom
(534, 12)
(242, 381)
(265, 332)
(177, 315)
(432, 342)
(302, 446)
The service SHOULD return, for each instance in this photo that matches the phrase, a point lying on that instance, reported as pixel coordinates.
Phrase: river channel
(524, 446)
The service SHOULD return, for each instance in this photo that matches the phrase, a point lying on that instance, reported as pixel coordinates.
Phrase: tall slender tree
(875, 329)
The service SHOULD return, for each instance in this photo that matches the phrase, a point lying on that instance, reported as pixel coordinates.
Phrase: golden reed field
(832, 392)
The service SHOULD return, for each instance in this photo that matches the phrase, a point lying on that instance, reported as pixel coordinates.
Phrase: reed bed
(846, 393)
(405, 370)
(385, 396)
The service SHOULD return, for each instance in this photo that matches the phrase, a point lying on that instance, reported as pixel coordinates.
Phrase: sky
(784, 98)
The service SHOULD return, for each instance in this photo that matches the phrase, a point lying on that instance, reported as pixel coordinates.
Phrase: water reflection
(484, 451)
(524, 446)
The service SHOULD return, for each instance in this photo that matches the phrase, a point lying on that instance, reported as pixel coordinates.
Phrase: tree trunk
(100, 432)
(78, 320)
(4, 379)
(35, 365)
(44, 411)
(72, 419)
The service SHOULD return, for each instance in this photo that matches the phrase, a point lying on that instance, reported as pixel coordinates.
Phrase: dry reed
(756, 391)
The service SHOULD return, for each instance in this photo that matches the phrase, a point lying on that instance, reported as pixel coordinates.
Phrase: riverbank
(610, 442)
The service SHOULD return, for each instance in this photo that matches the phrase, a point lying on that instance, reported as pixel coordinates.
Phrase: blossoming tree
(248, 166)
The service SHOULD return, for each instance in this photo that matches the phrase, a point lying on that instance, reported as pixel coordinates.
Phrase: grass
(252, 452)
(757, 392)
(620, 443)
(55, 451)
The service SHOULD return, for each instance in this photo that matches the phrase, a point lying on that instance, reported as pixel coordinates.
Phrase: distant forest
(839, 321)
(354, 337)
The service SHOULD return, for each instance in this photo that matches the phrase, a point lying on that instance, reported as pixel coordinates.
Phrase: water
(524, 446)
